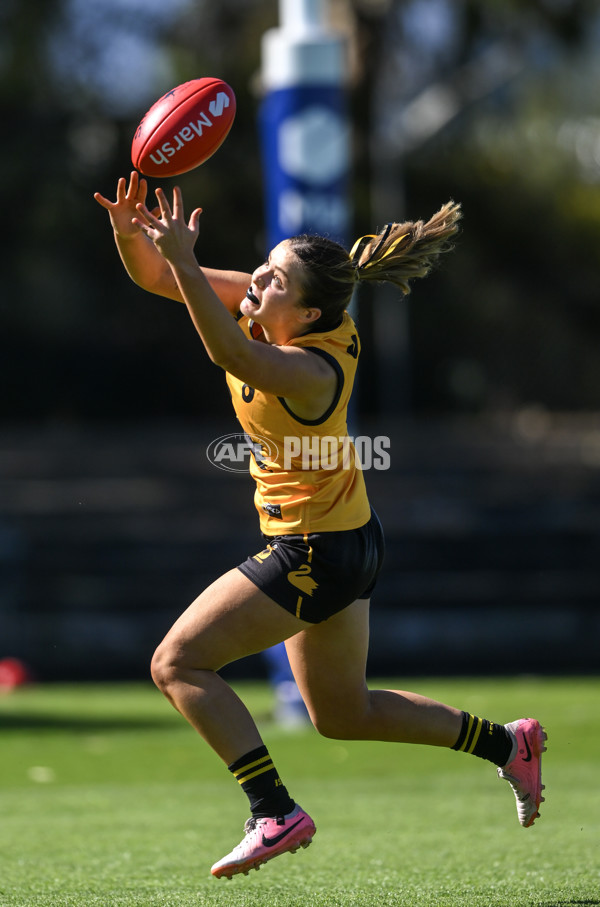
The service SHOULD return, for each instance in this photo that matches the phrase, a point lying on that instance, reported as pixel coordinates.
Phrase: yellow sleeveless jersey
(306, 473)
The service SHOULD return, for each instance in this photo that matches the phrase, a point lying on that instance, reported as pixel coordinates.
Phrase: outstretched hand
(123, 210)
(172, 235)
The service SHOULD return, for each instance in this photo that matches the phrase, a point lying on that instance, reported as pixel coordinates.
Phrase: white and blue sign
(306, 162)
(304, 126)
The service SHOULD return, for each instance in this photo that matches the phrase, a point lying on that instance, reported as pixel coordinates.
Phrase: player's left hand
(172, 235)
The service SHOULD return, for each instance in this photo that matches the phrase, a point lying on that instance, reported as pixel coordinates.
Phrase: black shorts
(318, 574)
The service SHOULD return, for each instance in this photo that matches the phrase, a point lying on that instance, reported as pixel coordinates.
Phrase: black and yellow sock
(262, 785)
(485, 739)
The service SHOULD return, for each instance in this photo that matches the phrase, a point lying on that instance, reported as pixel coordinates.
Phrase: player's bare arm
(286, 371)
(142, 260)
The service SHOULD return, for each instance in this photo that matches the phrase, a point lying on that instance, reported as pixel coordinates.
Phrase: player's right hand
(123, 210)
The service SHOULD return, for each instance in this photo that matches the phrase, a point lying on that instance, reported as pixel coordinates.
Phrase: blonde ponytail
(402, 252)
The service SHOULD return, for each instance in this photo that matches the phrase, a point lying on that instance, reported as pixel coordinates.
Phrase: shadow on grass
(84, 723)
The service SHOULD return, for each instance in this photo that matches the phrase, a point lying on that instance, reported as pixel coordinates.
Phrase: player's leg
(329, 662)
(229, 620)
(232, 619)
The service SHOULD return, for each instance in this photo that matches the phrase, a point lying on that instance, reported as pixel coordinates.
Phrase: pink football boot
(524, 773)
(265, 839)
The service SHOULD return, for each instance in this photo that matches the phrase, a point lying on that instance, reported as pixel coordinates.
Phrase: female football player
(289, 350)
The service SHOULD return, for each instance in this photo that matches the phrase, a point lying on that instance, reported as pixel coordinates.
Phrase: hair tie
(362, 241)
(360, 244)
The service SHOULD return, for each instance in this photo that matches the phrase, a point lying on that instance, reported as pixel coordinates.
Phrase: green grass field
(107, 797)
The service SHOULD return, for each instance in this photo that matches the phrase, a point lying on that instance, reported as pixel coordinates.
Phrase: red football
(183, 128)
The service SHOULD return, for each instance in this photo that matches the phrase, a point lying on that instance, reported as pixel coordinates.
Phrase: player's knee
(163, 668)
(334, 726)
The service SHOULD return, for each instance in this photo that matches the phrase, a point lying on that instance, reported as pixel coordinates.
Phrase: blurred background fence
(486, 379)
(492, 546)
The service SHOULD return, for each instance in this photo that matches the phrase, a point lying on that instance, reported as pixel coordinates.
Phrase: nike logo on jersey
(271, 842)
